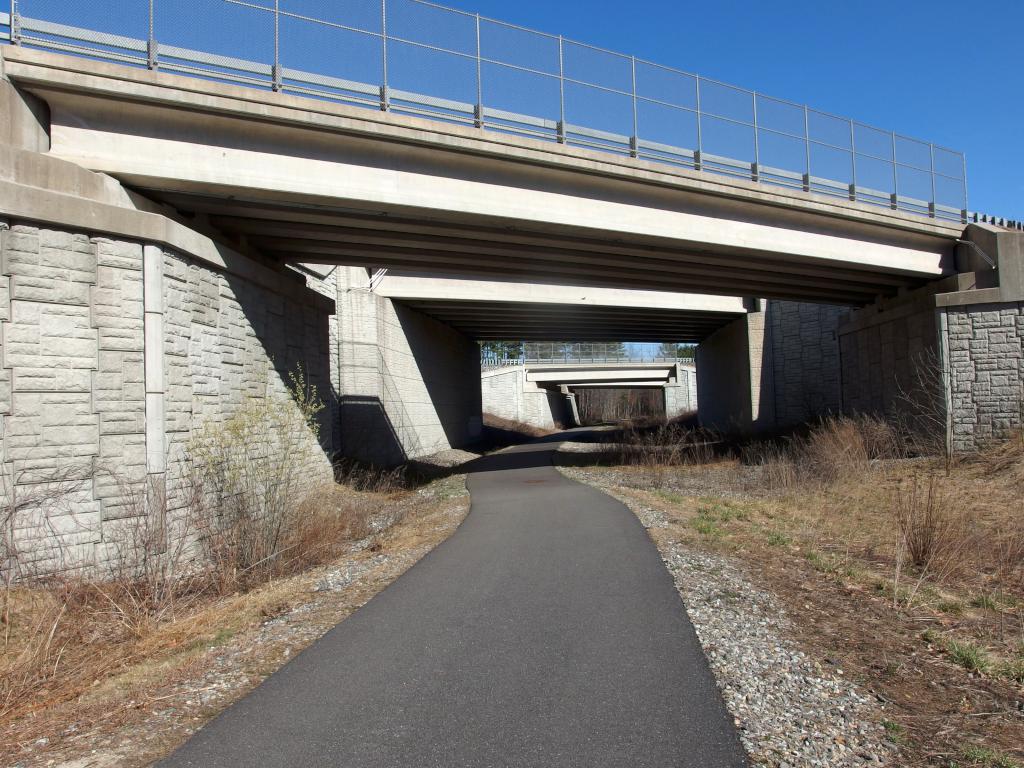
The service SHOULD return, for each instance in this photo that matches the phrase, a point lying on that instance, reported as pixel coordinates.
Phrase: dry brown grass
(910, 570)
(81, 648)
(836, 450)
(68, 630)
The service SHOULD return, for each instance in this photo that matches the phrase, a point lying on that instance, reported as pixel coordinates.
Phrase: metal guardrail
(582, 353)
(417, 57)
(490, 363)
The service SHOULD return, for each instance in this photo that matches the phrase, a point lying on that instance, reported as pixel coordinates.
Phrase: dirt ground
(824, 555)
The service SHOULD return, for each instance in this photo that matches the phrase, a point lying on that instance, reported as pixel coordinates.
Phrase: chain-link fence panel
(421, 58)
(115, 29)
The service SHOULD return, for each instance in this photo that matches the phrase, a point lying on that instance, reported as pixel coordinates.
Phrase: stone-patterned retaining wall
(111, 352)
(985, 345)
(804, 359)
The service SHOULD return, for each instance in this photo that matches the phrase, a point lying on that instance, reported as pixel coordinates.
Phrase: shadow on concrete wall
(295, 338)
(449, 366)
(367, 432)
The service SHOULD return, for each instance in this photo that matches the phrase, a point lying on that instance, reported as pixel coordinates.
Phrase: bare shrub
(253, 470)
(656, 444)
(837, 449)
(371, 478)
(924, 520)
(919, 410)
(933, 534)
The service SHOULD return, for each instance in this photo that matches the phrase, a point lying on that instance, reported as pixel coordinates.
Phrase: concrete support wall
(888, 351)
(112, 351)
(773, 369)
(734, 388)
(681, 394)
(408, 385)
(506, 393)
(804, 360)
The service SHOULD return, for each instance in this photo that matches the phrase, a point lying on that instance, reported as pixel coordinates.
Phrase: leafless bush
(838, 448)
(919, 410)
(254, 470)
(245, 506)
(652, 443)
(933, 534)
(30, 541)
(371, 478)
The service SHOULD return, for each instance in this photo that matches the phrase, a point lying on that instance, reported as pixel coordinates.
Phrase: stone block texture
(889, 358)
(985, 346)
(73, 381)
(804, 359)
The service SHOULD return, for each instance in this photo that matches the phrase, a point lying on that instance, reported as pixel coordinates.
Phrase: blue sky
(942, 70)
(939, 70)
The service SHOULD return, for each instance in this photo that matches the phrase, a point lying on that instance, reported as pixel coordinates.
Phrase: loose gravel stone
(791, 711)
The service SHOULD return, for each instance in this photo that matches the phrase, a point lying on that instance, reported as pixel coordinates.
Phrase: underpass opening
(608, 405)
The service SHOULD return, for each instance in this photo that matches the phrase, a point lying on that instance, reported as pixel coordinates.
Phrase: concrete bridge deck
(305, 180)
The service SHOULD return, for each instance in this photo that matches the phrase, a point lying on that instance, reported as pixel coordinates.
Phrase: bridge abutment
(408, 385)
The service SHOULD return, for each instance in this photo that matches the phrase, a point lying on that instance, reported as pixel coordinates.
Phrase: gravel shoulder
(791, 708)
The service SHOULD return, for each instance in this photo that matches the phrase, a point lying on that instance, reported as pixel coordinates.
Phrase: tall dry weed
(837, 449)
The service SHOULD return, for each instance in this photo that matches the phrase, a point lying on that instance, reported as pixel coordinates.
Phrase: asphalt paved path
(545, 631)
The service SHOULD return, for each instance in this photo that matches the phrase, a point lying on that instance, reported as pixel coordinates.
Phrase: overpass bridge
(181, 228)
(544, 393)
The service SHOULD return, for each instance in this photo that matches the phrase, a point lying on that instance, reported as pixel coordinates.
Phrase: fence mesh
(421, 58)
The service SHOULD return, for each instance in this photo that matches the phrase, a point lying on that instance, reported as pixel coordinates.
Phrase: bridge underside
(496, 320)
(488, 310)
(384, 239)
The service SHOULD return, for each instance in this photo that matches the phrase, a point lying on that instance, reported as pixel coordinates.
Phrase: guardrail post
(807, 149)
(635, 138)
(963, 165)
(895, 200)
(384, 55)
(700, 132)
(561, 91)
(853, 162)
(931, 159)
(757, 141)
(478, 111)
(275, 72)
(15, 22)
(152, 50)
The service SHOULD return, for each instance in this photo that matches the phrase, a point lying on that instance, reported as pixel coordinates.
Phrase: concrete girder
(356, 223)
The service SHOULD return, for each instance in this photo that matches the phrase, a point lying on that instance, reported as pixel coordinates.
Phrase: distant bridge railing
(569, 356)
(419, 58)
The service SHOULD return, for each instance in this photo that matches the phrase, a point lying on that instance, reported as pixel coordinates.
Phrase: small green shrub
(969, 656)
(778, 539)
(985, 602)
